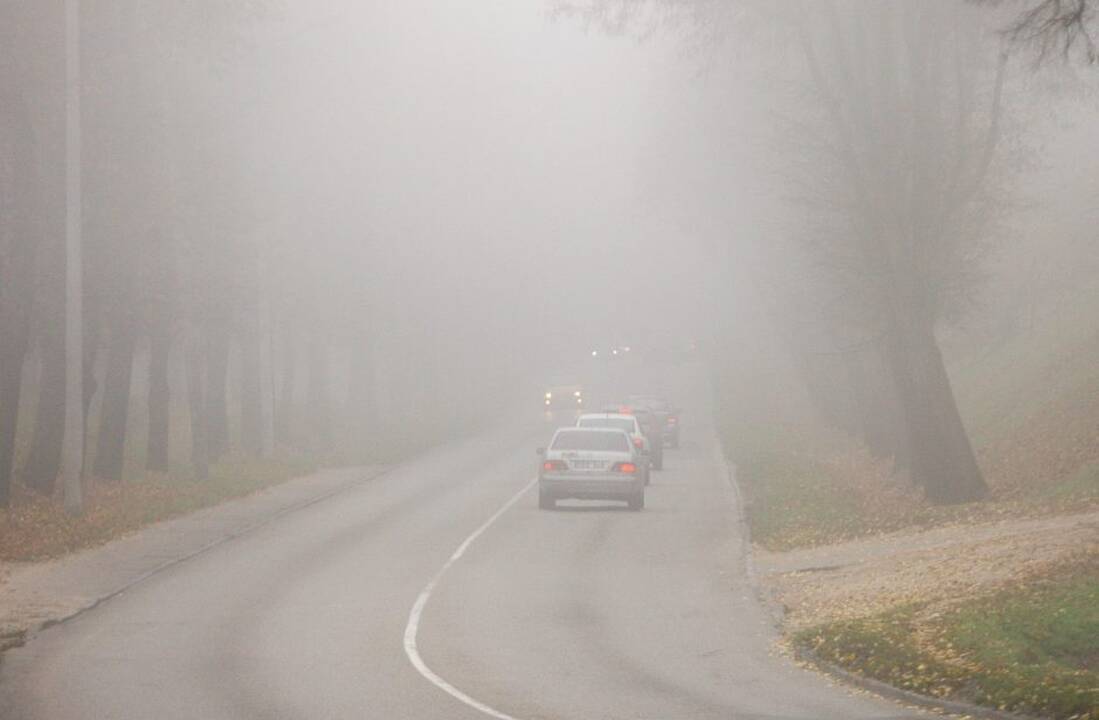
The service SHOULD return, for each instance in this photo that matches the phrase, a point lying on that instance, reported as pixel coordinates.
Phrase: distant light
(627, 348)
(577, 393)
(549, 396)
(595, 353)
(614, 352)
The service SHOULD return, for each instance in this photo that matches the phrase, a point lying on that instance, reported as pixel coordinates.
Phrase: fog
(548, 358)
(358, 216)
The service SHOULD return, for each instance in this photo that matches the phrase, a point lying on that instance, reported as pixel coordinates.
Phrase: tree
(72, 463)
(1054, 27)
(903, 139)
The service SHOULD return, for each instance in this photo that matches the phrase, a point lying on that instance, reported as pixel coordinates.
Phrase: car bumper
(599, 487)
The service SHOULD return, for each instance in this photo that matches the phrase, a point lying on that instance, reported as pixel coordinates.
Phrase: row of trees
(219, 303)
(894, 150)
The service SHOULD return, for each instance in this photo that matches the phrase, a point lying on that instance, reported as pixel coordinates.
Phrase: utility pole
(73, 455)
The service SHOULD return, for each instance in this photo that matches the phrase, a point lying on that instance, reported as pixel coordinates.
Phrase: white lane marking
(413, 626)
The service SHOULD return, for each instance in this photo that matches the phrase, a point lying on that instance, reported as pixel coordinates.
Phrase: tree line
(252, 318)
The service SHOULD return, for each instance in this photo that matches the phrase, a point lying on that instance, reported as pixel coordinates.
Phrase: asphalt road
(588, 612)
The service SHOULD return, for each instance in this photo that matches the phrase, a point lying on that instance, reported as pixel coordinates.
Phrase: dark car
(651, 425)
(665, 411)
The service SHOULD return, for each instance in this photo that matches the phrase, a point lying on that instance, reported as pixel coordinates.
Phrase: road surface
(587, 612)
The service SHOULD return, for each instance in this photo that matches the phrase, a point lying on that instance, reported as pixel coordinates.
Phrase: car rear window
(587, 440)
(616, 423)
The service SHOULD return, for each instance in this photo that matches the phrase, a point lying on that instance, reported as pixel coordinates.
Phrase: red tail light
(552, 465)
(672, 420)
(626, 467)
(638, 443)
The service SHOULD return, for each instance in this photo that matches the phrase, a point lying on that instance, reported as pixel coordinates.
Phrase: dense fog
(395, 217)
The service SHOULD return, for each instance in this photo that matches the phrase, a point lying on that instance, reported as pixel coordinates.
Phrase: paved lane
(582, 613)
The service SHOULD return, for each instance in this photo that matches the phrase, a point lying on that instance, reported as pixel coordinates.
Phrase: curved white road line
(413, 626)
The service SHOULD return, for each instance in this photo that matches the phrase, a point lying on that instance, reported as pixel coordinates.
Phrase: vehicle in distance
(591, 464)
(667, 415)
(652, 428)
(564, 397)
(621, 422)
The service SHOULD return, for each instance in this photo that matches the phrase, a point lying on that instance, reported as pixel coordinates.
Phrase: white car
(621, 421)
(591, 464)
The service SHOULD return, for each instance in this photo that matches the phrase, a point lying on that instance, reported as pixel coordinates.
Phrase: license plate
(587, 464)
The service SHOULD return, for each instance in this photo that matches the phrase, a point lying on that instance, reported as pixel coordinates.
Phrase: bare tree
(909, 99)
(1053, 27)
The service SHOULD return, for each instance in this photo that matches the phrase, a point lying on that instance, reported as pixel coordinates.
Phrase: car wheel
(546, 501)
(637, 502)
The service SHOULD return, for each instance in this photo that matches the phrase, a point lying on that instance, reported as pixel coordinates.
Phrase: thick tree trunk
(251, 399)
(941, 458)
(16, 332)
(217, 381)
(43, 465)
(111, 446)
(160, 397)
(195, 362)
(18, 242)
(92, 334)
(44, 462)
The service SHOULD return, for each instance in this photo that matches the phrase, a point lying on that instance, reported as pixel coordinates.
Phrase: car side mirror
(540, 451)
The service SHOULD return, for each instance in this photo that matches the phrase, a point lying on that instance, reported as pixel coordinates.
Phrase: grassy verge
(1029, 401)
(36, 528)
(803, 500)
(1032, 649)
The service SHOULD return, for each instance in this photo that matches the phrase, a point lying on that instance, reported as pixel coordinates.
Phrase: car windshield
(626, 424)
(588, 440)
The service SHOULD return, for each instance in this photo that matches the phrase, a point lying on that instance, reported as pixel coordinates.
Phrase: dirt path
(942, 565)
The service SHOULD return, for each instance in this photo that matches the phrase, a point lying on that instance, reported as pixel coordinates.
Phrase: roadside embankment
(1004, 614)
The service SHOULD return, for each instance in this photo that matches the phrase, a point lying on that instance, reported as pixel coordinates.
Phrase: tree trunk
(195, 362)
(217, 380)
(160, 397)
(16, 332)
(111, 447)
(16, 285)
(941, 457)
(251, 399)
(91, 336)
(44, 462)
(43, 465)
(73, 446)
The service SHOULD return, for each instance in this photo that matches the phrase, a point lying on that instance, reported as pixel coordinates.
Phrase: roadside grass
(1032, 648)
(37, 528)
(1031, 404)
(798, 500)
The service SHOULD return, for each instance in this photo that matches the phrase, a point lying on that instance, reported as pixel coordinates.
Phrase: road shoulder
(36, 595)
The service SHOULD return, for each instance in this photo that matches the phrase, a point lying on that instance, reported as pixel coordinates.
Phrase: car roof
(573, 428)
